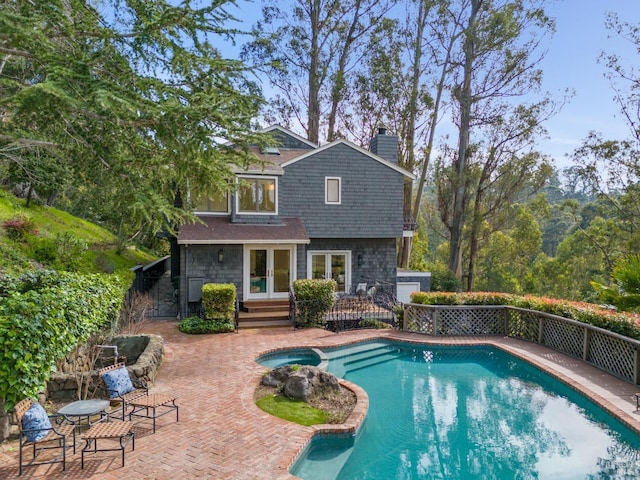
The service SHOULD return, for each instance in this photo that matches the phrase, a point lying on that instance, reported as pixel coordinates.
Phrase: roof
(270, 162)
(286, 131)
(391, 165)
(214, 230)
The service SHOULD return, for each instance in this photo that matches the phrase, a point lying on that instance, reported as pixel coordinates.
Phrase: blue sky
(570, 63)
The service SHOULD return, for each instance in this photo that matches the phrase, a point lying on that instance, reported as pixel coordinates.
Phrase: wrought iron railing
(608, 351)
(365, 305)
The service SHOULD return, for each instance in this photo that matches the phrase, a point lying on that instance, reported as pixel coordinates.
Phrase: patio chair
(39, 435)
(120, 387)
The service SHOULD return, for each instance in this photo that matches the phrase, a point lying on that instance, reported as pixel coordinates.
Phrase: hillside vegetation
(45, 237)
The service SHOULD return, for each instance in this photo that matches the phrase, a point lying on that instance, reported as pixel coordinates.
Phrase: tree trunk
(313, 116)
(339, 83)
(459, 200)
(410, 128)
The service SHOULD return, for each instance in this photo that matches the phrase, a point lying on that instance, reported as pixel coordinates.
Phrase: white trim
(256, 177)
(246, 273)
(326, 190)
(381, 160)
(412, 274)
(243, 242)
(327, 253)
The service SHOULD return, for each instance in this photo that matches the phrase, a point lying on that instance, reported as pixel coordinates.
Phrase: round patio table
(80, 410)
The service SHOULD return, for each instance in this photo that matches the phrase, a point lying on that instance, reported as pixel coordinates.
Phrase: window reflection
(257, 195)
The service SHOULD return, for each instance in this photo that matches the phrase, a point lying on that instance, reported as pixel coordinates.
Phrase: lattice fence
(471, 321)
(523, 324)
(418, 319)
(563, 337)
(608, 351)
(613, 354)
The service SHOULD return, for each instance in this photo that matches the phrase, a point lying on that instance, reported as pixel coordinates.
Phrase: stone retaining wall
(63, 386)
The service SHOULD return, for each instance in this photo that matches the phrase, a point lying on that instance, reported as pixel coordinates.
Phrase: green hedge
(197, 325)
(219, 301)
(314, 299)
(623, 323)
(44, 315)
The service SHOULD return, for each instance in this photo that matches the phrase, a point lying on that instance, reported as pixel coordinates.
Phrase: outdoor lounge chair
(39, 435)
(120, 387)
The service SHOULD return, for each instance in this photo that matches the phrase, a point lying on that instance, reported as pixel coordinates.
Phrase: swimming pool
(291, 356)
(466, 413)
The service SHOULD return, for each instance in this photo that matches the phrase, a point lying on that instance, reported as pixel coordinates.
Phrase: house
(308, 211)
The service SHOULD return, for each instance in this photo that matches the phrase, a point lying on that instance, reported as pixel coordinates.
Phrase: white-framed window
(257, 195)
(332, 190)
(335, 264)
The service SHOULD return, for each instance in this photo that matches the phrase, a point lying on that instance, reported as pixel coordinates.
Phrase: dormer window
(333, 190)
(257, 195)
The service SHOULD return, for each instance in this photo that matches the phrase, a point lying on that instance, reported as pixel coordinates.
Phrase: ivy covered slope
(62, 279)
(45, 237)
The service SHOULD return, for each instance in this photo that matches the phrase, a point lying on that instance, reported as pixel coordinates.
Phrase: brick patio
(223, 435)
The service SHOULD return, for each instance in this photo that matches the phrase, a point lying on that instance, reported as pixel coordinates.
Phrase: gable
(337, 145)
(287, 139)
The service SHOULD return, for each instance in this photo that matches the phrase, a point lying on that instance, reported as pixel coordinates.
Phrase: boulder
(302, 382)
(277, 376)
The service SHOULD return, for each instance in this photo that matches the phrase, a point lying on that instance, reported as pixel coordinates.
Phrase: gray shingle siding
(287, 141)
(378, 257)
(371, 203)
(201, 261)
(385, 146)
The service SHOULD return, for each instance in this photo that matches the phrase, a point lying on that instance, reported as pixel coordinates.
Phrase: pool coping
(525, 351)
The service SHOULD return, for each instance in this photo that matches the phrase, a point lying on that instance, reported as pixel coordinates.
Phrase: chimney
(385, 146)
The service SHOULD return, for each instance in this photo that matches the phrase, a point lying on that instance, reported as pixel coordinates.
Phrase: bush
(314, 299)
(19, 226)
(219, 301)
(197, 325)
(44, 315)
(627, 324)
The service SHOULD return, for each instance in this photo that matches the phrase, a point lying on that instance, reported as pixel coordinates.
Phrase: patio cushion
(35, 423)
(118, 382)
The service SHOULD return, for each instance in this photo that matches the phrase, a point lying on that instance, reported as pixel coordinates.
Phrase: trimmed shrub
(197, 325)
(219, 301)
(314, 299)
(623, 323)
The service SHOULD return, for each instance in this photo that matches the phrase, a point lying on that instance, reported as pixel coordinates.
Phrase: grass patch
(52, 233)
(295, 411)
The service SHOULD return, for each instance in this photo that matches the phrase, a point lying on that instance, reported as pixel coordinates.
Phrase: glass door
(334, 265)
(268, 271)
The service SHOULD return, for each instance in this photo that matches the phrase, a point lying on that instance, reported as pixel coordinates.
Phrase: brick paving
(222, 435)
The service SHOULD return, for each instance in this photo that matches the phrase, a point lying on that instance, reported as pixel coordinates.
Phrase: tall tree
(129, 95)
(307, 49)
(499, 54)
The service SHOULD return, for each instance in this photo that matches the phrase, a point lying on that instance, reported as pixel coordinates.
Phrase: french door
(330, 264)
(268, 270)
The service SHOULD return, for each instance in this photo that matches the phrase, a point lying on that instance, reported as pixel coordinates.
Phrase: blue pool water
(297, 356)
(466, 413)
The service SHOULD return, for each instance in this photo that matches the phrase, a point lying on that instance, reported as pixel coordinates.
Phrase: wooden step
(265, 305)
(264, 323)
(275, 315)
(264, 314)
